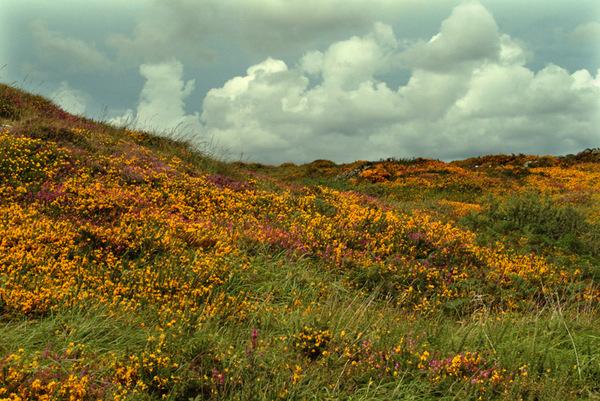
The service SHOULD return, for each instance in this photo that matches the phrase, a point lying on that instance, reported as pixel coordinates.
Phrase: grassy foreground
(133, 267)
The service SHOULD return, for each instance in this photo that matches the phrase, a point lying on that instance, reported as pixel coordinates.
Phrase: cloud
(250, 112)
(173, 29)
(75, 55)
(197, 32)
(470, 92)
(588, 32)
(162, 101)
(124, 118)
(71, 100)
(274, 25)
(469, 35)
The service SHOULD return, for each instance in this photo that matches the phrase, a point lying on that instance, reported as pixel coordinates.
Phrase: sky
(275, 81)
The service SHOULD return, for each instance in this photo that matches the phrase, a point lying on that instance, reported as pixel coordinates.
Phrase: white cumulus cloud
(469, 35)
(469, 92)
(71, 100)
(162, 101)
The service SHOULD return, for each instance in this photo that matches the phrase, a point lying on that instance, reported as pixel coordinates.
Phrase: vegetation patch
(137, 267)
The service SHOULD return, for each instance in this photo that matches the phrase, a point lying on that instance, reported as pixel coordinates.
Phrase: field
(135, 267)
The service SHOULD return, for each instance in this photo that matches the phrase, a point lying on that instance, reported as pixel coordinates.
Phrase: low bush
(545, 223)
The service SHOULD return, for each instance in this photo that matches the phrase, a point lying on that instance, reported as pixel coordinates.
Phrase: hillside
(134, 267)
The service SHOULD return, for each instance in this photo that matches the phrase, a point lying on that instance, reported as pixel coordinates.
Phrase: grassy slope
(133, 267)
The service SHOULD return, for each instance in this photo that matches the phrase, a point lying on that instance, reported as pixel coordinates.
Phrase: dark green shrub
(537, 214)
(572, 243)
(544, 221)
